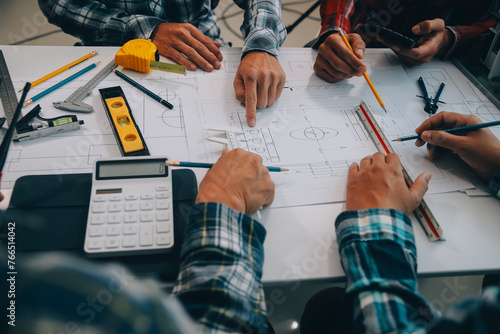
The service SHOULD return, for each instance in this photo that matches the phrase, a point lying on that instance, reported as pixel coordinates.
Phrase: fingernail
(416, 29)
(426, 136)
(192, 67)
(251, 122)
(396, 48)
(428, 176)
(217, 64)
(361, 53)
(362, 69)
(209, 68)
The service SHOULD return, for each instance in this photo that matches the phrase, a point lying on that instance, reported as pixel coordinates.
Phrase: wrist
(218, 196)
(447, 42)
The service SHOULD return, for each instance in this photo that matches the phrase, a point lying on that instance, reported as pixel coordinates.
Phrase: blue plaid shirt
(378, 254)
(114, 22)
(218, 289)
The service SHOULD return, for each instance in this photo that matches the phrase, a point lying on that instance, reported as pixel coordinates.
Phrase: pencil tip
(398, 139)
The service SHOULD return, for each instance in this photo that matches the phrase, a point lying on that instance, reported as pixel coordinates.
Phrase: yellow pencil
(62, 69)
(364, 74)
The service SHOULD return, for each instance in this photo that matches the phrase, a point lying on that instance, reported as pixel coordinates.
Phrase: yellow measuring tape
(142, 55)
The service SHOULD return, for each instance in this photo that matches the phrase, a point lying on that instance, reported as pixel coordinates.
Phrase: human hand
(259, 82)
(335, 62)
(480, 149)
(239, 180)
(378, 182)
(436, 39)
(181, 40)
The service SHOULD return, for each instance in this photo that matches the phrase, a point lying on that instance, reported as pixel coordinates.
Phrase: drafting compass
(227, 137)
(431, 106)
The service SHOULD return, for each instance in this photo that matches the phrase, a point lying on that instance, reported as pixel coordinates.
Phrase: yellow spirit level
(142, 55)
(126, 132)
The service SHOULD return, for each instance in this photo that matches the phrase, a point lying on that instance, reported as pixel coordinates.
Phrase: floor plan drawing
(311, 129)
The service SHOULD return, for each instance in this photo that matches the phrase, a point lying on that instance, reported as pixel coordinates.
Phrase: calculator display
(132, 168)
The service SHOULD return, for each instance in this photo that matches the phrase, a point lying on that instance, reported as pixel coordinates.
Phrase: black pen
(144, 90)
(468, 128)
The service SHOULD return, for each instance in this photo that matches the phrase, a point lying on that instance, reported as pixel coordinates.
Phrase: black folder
(50, 212)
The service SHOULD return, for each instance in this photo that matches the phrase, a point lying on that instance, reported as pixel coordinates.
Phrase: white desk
(300, 243)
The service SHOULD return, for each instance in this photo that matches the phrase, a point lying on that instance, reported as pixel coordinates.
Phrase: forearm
(221, 269)
(96, 24)
(262, 28)
(465, 36)
(378, 254)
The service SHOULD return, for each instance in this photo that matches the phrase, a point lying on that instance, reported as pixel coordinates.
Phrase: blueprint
(311, 130)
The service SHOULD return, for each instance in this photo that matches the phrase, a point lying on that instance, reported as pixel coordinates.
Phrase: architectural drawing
(311, 129)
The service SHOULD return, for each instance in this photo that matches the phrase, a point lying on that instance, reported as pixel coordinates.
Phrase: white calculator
(130, 209)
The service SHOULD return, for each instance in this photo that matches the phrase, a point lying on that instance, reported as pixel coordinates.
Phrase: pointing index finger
(251, 101)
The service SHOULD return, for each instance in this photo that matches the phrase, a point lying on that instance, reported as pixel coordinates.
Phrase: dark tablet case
(50, 212)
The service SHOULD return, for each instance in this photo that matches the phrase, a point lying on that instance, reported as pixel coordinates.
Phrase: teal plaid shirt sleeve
(95, 23)
(218, 289)
(221, 268)
(378, 255)
(105, 22)
(262, 29)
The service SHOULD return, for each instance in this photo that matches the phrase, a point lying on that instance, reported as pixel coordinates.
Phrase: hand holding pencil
(479, 148)
(239, 180)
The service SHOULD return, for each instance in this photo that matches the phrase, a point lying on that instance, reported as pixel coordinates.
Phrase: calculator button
(129, 242)
(130, 217)
(162, 228)
(115, 207)
(96, 231)
(131, 206)
(97, 219)
(116, 198)
(146, 235)
(114, 218)
(162, 195)
(162, 188)
(147, 216)
(95, 243)
(147, 196)
(162, 216)
(112, 243)
(162, 205)
(163, 239)
(131, 197)
(146, 206)
(99, 198)
(98, 208)
(113, 230)
(129, 229)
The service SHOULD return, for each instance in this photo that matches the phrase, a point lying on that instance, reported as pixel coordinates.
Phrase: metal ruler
(74, 101)
(7, 93)
(423, 214)
(49, 131)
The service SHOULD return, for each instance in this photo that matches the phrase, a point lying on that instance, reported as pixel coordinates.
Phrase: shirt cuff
(454, 45)
(375, 224)
(261, 40)
(321, 39)
(216, 225)
(495, 184)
